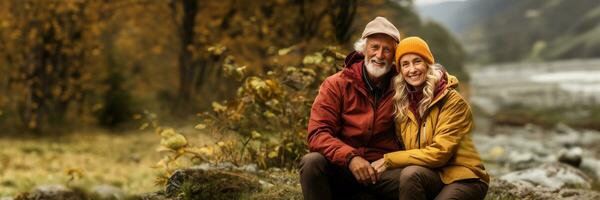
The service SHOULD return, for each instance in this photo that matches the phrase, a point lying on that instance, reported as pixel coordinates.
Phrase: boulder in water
(571, 156)
(551, 175)
(502, 189)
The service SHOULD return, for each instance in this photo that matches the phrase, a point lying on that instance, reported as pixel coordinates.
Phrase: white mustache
(377, 71)
(379, 61)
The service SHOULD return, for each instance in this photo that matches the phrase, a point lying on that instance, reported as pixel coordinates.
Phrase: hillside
(514, 30)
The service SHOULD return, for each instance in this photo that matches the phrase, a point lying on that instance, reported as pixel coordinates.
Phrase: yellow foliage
(240, 72)
(269, 114)
(172, 140)
(256, 135)
(274, 86)
(207, 151)
(273, 154)
(316, 58)
(285, 51)
(144, 126)
(217, 107)
(217, 49)
(162, 163)
(200, 126)
(259, 88)
(73, 173)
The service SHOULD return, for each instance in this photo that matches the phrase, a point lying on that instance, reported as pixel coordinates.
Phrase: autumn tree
(48, 46)
(210, 30)
(72, 55)
(342, 17)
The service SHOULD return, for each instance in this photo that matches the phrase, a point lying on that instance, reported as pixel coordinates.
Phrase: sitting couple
(391, 124)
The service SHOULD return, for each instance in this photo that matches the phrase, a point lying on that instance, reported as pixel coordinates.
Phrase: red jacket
(344, 121)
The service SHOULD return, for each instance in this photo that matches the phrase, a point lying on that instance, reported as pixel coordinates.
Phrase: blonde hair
(401, 98)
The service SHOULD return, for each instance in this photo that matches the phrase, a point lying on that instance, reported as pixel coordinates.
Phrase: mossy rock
(54, 192)
(190, 184)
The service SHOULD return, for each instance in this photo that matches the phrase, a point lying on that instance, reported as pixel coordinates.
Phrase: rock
(551, 175)
(210, 184)
(154, 196)
(203, 166)
(563, 128)
(265, 185)
(502, 189)
(52, 192)
(108, 192)
(567, 139)
(175, 181)
(571, 156)
(590, 138)
(225, 165)
(591, 167)
(52, 189)
(579, 194)
(6, 198)
(252, 168)
(518, 148)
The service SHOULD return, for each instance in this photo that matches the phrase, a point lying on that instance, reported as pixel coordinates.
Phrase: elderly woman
(434, 122)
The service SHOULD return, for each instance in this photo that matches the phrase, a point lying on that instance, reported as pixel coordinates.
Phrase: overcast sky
(426, 2)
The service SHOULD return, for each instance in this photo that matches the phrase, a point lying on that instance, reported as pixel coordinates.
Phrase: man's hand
(362, 170)
(379, 166)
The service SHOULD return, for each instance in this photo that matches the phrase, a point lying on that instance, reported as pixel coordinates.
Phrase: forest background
(123, 92)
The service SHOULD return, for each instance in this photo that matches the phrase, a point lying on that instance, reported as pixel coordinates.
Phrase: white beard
(377, 71)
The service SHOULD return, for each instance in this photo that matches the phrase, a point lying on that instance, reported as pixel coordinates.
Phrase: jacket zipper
(422, 123)
(374, 105)
(419, 137)
(419, 133)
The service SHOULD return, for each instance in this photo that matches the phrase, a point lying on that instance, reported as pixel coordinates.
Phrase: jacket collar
(451, 83)
(353, 71)
(374, 88)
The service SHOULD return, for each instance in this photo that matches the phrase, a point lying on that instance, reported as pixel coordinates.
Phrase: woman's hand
(379, 166)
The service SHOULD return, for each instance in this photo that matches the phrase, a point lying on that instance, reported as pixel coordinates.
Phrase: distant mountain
(447, 13)
(516, 30)
(447, 49)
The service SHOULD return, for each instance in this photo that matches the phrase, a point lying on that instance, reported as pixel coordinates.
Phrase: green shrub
(268, 116)
(270, 111)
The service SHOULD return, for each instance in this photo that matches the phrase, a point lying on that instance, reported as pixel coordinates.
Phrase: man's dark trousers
(323, 180)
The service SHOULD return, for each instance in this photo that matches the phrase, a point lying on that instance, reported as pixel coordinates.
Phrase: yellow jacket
(445, 142)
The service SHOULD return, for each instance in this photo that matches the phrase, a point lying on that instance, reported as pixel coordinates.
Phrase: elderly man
(351, 122)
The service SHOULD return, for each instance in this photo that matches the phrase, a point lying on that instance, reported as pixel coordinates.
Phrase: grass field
(86, 158)
(83, 159)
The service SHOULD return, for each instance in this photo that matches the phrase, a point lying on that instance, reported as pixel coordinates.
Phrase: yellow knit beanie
(414, 45)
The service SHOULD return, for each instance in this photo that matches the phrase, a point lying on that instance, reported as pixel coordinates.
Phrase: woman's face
(413, 69)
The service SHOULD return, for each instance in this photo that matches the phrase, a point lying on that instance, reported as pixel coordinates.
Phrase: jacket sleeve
(324, 125)
(455, 121)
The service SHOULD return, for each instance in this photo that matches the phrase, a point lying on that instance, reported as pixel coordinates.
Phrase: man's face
(379, 54)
